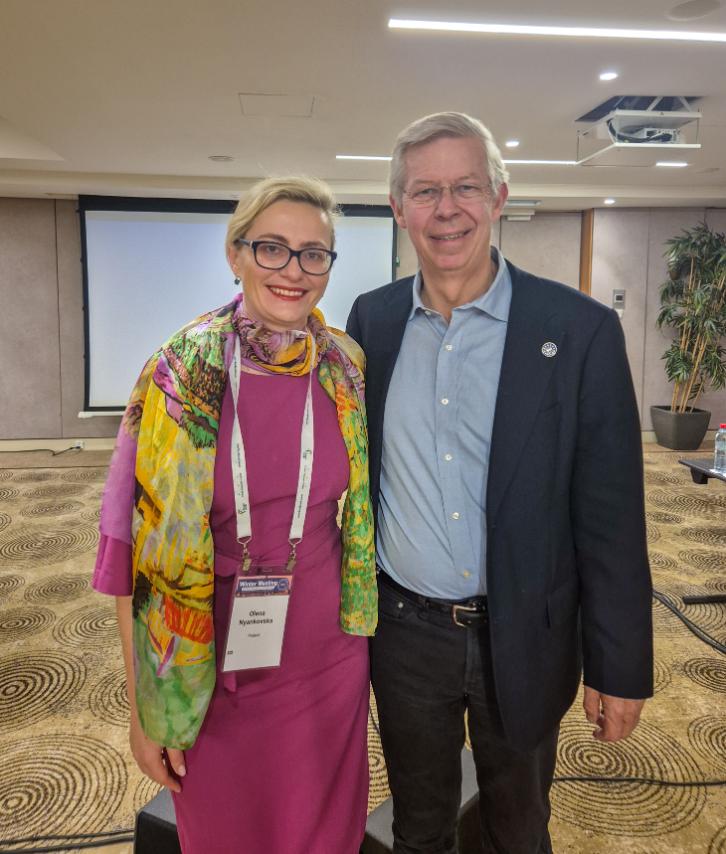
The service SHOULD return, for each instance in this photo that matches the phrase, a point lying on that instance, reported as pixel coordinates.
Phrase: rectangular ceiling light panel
(563, 32)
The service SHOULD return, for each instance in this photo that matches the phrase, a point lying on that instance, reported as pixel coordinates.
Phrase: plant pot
(682, 431)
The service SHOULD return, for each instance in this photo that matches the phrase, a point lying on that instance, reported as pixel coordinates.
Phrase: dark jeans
(426, 673)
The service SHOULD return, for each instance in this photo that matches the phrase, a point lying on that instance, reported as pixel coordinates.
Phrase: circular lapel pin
(549, 349)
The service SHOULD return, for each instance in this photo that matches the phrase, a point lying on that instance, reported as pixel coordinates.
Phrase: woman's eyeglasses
(275, 256)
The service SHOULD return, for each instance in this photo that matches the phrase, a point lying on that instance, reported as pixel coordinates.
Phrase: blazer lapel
(526, 371)
(381, 353)
(392, 325)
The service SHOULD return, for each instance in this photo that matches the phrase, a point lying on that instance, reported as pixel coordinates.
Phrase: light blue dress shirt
(436, 436)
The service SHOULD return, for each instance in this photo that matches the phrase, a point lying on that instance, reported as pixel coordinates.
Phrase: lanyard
(239, 468)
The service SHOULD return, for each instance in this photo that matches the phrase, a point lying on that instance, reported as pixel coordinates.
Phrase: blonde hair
(429, 128)
(270, 190)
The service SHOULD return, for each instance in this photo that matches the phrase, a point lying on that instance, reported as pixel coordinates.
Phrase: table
(701, 472)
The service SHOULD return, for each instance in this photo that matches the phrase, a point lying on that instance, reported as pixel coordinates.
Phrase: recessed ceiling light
(608, 201)
(609, 75)
(566, 32)
(512, 143)
(672, 164)
(361, 157)
(221, 158)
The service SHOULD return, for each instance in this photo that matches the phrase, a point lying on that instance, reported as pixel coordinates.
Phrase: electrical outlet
(78, 445)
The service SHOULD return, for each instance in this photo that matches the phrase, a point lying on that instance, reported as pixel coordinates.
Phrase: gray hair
(438, 125)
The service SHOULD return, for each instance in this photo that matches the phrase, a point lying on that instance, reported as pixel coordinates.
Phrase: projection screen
(152, 265)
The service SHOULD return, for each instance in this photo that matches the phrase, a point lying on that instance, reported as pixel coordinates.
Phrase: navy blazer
(568, 580)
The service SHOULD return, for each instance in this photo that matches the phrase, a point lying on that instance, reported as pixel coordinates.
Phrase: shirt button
(399, 605)
(466, 573)
(445, 401)
(455, 515)
(448, 458)
(449, 347)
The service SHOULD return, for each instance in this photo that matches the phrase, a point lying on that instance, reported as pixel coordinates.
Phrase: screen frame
(166, 205)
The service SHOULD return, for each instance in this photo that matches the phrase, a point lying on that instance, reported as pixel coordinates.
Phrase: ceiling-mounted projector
(637, 134)
(637, 137)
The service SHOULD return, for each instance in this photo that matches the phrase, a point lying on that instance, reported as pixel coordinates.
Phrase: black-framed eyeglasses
(275, 256)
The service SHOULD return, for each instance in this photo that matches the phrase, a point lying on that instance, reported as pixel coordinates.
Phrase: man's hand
(614, 717)
(153, 760)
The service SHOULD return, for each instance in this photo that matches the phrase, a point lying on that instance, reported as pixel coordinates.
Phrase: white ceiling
(131, 97)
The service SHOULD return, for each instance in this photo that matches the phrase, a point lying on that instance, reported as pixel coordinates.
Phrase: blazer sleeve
(608, 516)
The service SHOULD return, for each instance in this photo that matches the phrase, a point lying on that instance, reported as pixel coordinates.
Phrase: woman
(224, 484)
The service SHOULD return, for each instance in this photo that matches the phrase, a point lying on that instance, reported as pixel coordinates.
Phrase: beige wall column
(29, 374)
(547, 245)
(588, 220)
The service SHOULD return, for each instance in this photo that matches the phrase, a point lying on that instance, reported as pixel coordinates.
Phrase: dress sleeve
(112, 573)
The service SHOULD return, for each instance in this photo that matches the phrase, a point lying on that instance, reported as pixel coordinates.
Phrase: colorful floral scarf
(168, 439)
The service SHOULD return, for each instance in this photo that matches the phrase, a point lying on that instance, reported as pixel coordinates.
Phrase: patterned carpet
(66, 768)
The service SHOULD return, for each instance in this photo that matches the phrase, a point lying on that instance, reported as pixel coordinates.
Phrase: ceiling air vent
(277, 105)
(520, 210)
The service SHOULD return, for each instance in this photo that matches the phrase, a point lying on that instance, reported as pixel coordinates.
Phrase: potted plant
(693, 304)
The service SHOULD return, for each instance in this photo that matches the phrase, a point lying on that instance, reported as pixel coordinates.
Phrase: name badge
(257, 622)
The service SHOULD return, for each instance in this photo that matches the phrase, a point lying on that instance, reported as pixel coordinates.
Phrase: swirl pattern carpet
(67, 769)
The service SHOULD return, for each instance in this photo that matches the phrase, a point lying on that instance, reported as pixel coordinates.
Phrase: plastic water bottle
(719, 456)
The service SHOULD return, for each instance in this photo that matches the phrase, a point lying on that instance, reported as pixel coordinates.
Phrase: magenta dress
(280, 765)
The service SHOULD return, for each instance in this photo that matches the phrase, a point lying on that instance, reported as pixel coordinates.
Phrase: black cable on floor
(98, 840)
(46, 450)
(679, 784)
(30, 451)
(48, 836)
(690, 625)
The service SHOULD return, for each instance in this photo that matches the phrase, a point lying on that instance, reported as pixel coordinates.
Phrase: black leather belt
(463, 612)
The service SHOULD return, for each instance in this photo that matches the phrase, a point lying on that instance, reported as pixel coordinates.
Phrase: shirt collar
(495, 302)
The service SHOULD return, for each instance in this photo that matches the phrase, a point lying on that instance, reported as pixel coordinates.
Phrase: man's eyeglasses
(275, 256)
(426, 197)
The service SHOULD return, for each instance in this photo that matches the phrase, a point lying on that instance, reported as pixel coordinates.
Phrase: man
(506, 474)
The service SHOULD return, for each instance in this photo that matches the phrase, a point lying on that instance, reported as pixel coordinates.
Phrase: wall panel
(619, 261)
(548, 245)
(29, 372)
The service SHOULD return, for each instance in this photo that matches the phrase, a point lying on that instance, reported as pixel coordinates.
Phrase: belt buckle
(456, 608)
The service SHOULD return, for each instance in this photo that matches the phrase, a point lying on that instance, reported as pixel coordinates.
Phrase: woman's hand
(154, 760)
